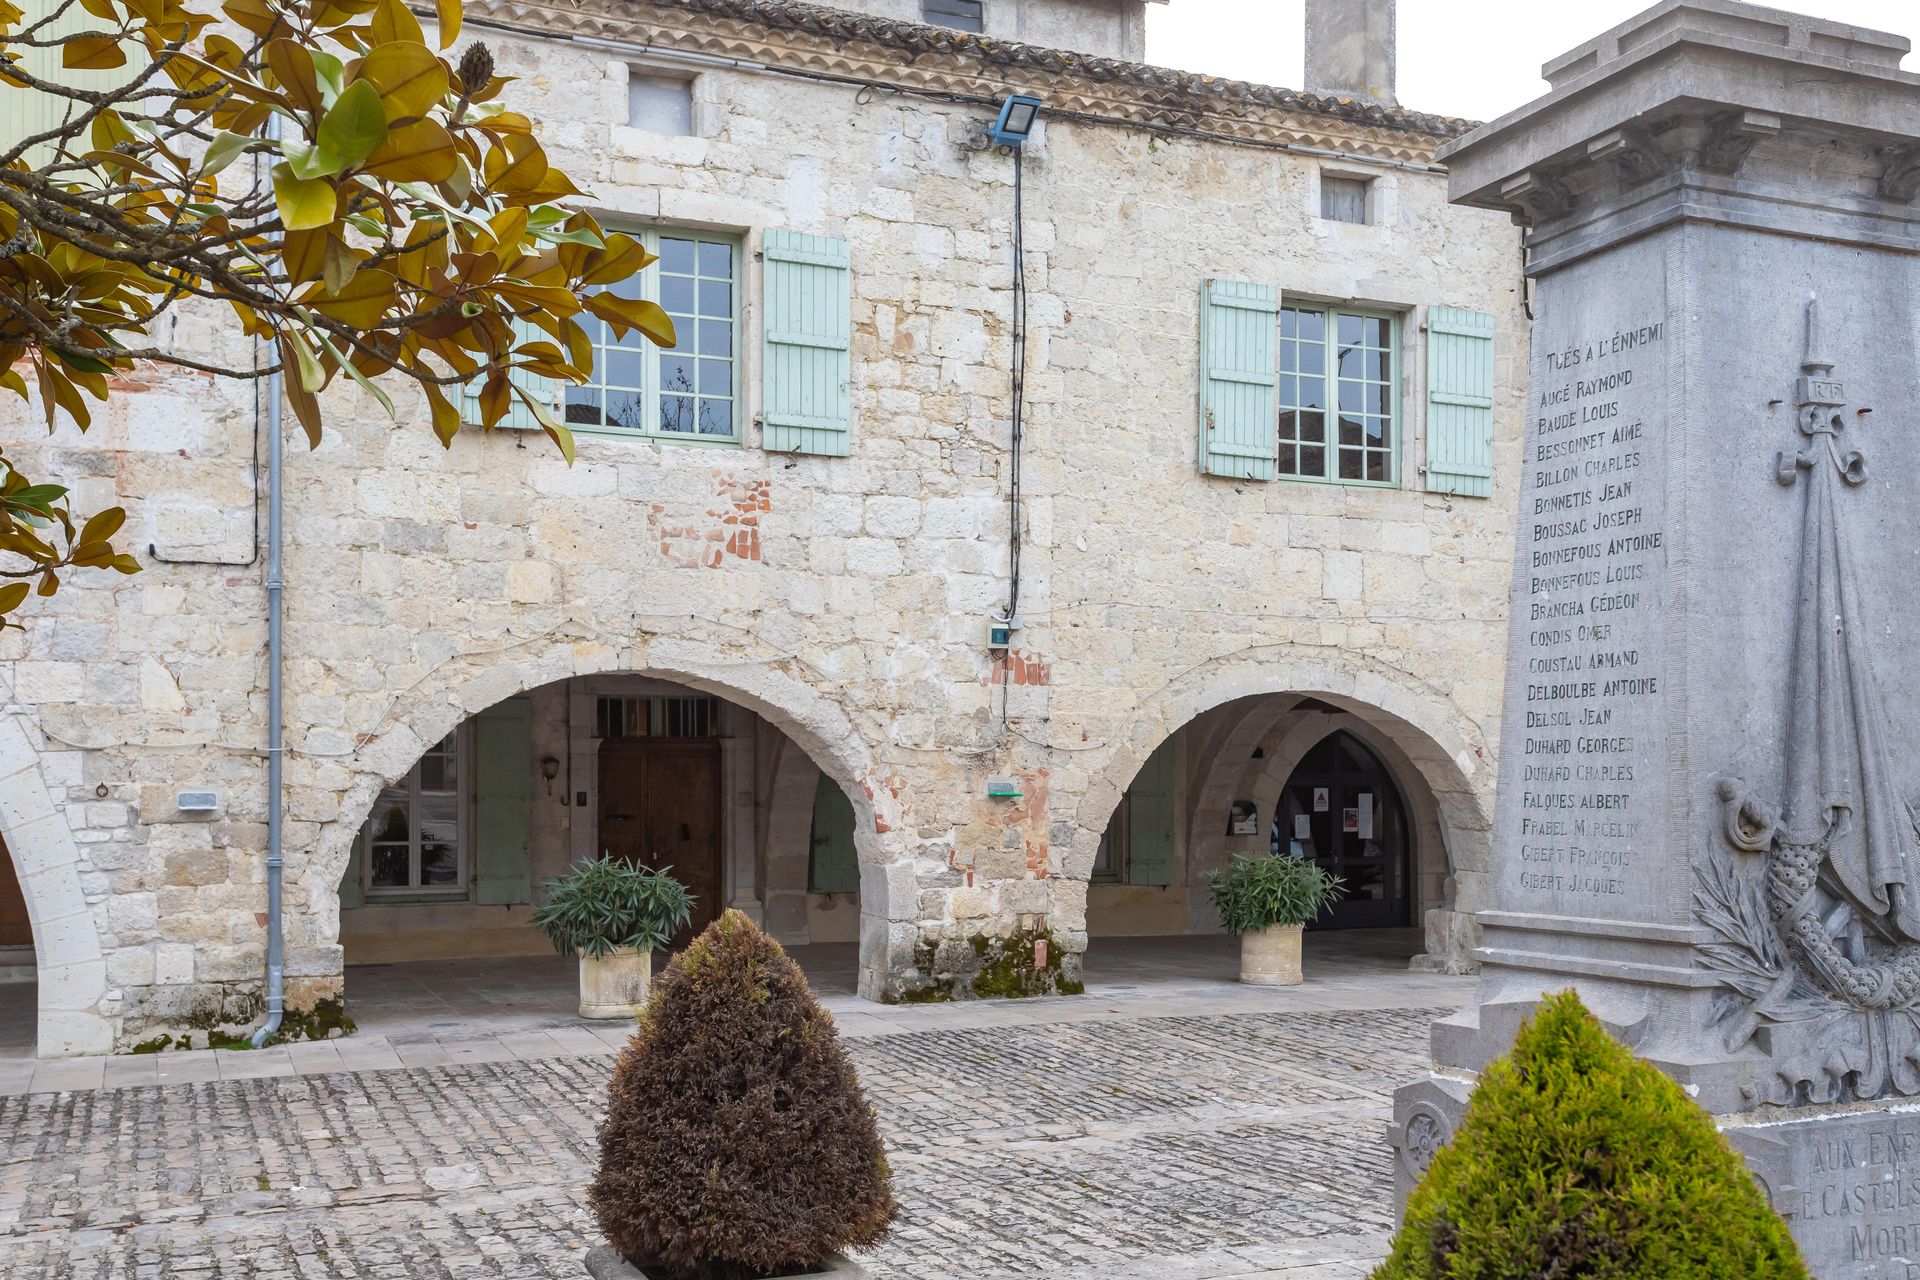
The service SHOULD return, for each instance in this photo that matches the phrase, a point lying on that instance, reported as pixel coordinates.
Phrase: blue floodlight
(1017, 116)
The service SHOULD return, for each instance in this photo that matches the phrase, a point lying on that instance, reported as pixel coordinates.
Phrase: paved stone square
(1186, 1129)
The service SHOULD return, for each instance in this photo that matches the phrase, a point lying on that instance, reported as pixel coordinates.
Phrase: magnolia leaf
(92, 53)
(313, 376)
(548, 423)
(392, 22)
(304, 203)
(126, 564)
(633, 313)
(418, 151)
(446, 418)
(355, 125)
(410, 78)
(361, 302)
(49, 583)
(223, 151)
(13, 595)
(515, 163)
(449, 14)
(292, 66)
(103, 525)
(310, 160)
(386, 401)
(303, 254)
(338, 265)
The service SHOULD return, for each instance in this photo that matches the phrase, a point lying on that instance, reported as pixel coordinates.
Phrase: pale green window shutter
(353, 890)
(25, 113)
(503, 794)
(1150, 829)
(1239, 389)
(808, 371)
(542, 388)
(1460, 402)
(834, 867)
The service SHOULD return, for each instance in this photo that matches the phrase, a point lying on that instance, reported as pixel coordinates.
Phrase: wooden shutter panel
(544, 389)
(834, 867)
(353, 889)
(1239, 391)
(1460, 402)
(503, 802)
(1150, 820)
(808, 368)
(25, 113)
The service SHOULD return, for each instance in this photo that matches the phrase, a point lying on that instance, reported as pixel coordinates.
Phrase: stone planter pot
(1271, 957)
(616, 985)
(604, 1264)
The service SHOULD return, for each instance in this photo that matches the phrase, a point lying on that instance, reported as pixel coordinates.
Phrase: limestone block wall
(842, 600)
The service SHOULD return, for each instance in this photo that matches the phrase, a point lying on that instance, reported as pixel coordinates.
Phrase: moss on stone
(155, 1045)
(1008, 969)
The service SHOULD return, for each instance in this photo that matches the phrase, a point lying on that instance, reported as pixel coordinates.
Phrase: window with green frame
(1337, 398)
(691, 392)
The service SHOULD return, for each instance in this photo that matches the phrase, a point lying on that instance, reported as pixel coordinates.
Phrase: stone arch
(817, 725)
(1416, 729)
(73, 1015)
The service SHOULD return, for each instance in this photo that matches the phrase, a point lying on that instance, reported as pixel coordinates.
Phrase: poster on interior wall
(1302, 827)
(1322, 798)
(1350, 821)
(1365, 830)
(1243, 819)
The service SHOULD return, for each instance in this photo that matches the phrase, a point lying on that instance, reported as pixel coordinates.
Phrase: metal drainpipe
(276, 588)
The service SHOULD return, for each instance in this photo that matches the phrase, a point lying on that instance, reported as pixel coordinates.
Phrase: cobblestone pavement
(1182, 1147)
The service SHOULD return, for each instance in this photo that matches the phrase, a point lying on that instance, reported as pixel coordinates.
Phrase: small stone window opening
(659, 103)
(961, 15)
(1344, 199)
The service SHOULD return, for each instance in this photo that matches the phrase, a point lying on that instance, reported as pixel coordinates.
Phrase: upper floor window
(690, 392)
(961, 15)
(1344, 199)
(412, 838)
(659, 103)
(1337, 401)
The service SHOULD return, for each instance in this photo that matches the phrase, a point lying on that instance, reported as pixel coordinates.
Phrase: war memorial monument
(1710, 753)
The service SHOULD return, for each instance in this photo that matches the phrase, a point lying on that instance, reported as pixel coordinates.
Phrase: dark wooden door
(660, 807)
(15, 930)
(1342, 810)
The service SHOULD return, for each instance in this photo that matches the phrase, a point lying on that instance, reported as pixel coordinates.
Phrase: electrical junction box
(999, 635)
(199, 801)
(1003, 789)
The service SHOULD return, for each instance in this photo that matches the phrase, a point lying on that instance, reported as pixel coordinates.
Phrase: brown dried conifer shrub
(738, 1143)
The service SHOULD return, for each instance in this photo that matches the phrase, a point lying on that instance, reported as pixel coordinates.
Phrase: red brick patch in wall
(730, 527)
(1017, 666)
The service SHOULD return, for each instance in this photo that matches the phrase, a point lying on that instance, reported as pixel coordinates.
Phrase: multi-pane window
(691, 391)
(412, 838)
(1337, 395)
(656, 717)
(961, 15)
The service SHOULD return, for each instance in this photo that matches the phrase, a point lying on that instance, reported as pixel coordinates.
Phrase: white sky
(1472, 58)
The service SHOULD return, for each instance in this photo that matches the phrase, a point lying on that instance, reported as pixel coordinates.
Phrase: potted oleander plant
(1267, 899)
(612, 914)
(737, 1144)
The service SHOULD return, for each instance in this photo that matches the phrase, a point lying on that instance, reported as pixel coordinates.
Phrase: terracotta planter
(604, 1264)
(616, 985)
(1271, 957)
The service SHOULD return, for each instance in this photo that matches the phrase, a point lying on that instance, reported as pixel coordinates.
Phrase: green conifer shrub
(738, 1143)
(1576, 1159)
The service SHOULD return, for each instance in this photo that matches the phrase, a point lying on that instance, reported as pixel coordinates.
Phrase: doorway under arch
(1342, 809)
(449, 860)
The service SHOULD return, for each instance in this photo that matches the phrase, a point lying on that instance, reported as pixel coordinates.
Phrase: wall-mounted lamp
(1017, 116)
(549, 769)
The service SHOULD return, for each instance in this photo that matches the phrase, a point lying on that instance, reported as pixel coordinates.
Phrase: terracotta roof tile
(918, 38)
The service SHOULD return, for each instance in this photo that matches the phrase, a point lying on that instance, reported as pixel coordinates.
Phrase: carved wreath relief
(1819, 946)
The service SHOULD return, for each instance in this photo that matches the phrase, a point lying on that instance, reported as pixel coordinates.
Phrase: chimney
(1350, 49)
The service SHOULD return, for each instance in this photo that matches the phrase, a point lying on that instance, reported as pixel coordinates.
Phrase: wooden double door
(660, 808)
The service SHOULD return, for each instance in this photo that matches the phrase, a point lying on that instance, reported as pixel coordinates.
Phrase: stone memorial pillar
(1710, 754)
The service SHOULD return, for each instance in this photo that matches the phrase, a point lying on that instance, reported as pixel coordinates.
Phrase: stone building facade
(755, 640)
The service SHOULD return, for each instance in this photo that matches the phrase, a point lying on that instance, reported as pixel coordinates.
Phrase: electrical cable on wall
(1019, 392)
